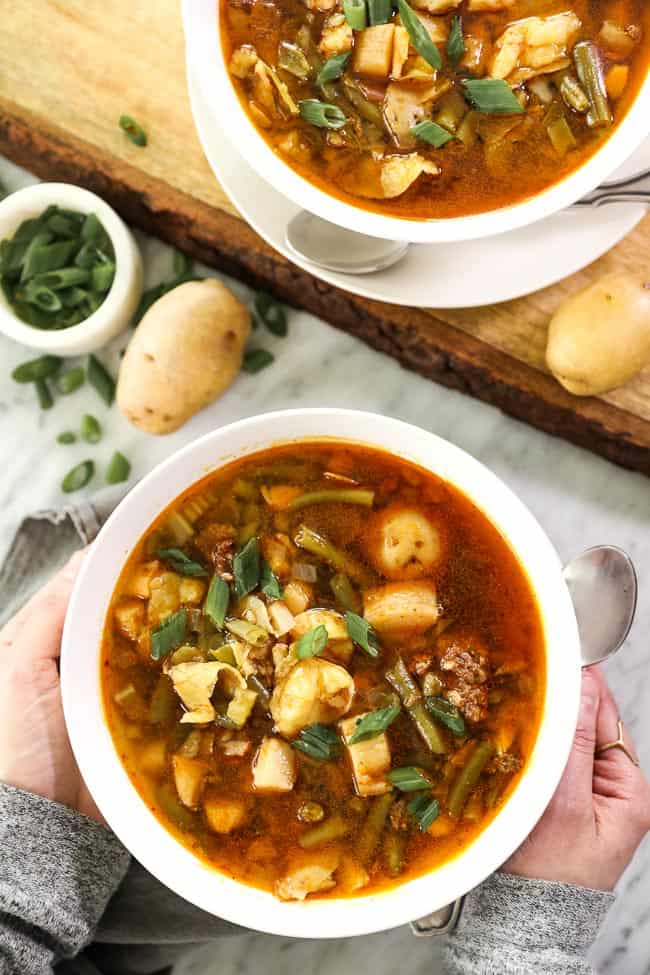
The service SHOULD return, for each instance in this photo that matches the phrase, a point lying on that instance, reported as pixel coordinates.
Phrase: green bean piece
(326, 832)
(292, 59)
(573, 94)
(67, 437)
(42, 368)
(101, 380)
(78, 477)
(411, 697)
(356, 13)
(468, 776)
(172, 807)
(44, 395)
(370, 833)
(133, 130)
(163, 704)
(257, 359)
(358, 496)
(345, 593)
(590, 73)
(119, 469)
(71, 380)
(312, 542)
(395, 851)
(91, 430)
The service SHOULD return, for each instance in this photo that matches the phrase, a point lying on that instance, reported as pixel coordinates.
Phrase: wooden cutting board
(69, 70)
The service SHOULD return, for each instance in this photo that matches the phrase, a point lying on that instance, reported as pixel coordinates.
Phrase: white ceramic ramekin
(116, 311)
(205, 58)
(129, 816)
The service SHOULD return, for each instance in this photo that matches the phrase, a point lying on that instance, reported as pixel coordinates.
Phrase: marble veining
(579, 499)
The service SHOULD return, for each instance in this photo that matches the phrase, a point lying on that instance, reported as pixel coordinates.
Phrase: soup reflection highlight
(323, 669)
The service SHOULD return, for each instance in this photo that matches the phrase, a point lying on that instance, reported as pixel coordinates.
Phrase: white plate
(456, 275)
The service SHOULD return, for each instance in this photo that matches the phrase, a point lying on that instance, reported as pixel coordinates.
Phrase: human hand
(601, 810)
(35, 753)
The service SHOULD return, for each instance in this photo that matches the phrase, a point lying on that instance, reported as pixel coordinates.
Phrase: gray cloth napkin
(45, 541)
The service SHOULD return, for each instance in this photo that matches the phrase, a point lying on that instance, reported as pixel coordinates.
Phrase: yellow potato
(185, 353)
(599, 338)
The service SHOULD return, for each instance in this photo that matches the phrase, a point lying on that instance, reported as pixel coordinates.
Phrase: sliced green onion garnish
(271, 313)
(425, 810)
(356, 13)
(493, 96)
(312, 643)
(216, 601)
(246, 568)
(379, 11)
(362, 633)
(71, 380)
(318, 741)
(91, 430)
(44, 395)
(408, 779)
(321, 114)
(78, 477)
(257, 359)
(66, 277)
(67, 437)
(455, 42)
(169, 635)
(42, 297)
(374, 723)
(432, 133)
(118, 470)
(101, 380)
(42, 368)
(269, 582)
(333, 68)
(181, 563)
(134, 130)
(419, 35)
(447, 714)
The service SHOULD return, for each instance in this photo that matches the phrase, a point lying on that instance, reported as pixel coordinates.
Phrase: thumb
(579, 772)
(37, 627)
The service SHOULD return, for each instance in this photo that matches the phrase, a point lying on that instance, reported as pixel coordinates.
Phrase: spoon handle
(634, 190)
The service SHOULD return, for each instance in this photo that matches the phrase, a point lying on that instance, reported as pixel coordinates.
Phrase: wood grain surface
(71, 68)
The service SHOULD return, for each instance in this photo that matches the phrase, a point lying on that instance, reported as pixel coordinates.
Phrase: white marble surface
(579, 499)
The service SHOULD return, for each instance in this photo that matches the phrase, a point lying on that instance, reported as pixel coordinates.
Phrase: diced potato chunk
(189, 776)
(191, 591)
(164, 598)
(370, 760)
(308, 873)
(314, 690)
(153, 757)
(298, 596)
(281, 618)
(400, 50)
(278, 552)
(402, 606)
(129, 616)
(436, 6)
(224, 815)
(140, 579)
(373, 51)
(274, 766)
(403, 542)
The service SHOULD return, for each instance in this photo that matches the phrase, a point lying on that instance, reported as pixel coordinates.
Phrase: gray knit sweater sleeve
(513, 926)
(58, 870)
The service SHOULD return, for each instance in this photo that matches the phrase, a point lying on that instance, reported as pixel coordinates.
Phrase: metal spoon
(603, 586)
(344, 251)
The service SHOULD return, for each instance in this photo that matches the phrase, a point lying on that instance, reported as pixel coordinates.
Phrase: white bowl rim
(127, 813)
(204, 52)
(31, 201)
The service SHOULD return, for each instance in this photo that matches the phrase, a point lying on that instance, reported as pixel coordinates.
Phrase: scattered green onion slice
(432, 133)
(181, 563)
(312, 643)
(101, 380)
(134, 130)
(425, 810)
(42, 297)
(356, 13)
(318, 741)
(257, 359)
(91, 429)
(374, 723)
(334, 67)
(71, 380)
(216, 602)
(118, 470)
(493, 96)
(169, 635)
(362, 633)
(379, 11)
(321, 114)
(269, 582)
(455, 42)
(78, 477)
(419, 35)
(246, 568)
(447, 714)
(44, 395)
(408, 779)
(43, 368)
(271, 313)
(66, 437)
